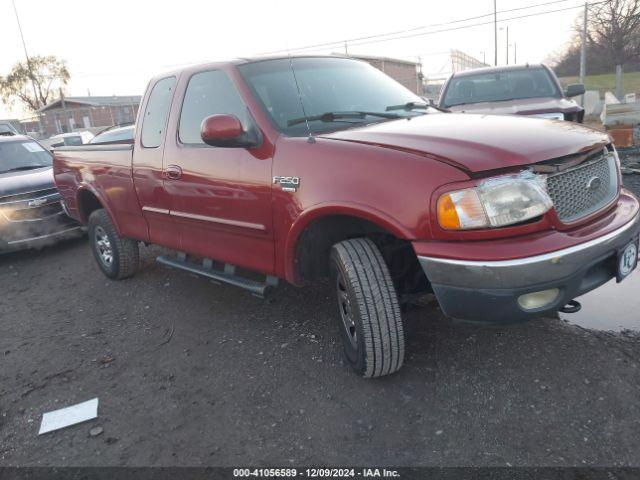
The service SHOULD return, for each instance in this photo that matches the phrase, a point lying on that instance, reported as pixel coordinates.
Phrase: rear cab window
(154, 121)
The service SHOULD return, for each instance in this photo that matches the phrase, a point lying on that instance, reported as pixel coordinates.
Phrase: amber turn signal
(461, 210)
(447, 214)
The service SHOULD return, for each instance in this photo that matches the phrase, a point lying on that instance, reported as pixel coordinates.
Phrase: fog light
(535, 300)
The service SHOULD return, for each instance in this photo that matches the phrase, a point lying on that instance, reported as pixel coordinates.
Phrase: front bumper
(489, 290)
(35, 227)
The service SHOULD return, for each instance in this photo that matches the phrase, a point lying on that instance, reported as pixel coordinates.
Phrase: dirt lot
(191, 373)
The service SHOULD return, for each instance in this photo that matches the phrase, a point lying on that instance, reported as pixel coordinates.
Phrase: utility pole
(24, 46)
(346, 49)
(583, 47)
(507, 45)
(515, 53)
(583, 50)
(495, 33)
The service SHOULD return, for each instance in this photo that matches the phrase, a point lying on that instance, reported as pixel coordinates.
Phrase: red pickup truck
(308, 168)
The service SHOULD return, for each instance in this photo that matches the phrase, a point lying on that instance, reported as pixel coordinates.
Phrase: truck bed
(106, 172)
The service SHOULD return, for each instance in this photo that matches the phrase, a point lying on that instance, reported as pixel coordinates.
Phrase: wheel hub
(346, 311)
(103, 245)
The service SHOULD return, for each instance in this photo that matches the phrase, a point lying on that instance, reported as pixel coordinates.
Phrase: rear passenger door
(220, 198)
(148, 169)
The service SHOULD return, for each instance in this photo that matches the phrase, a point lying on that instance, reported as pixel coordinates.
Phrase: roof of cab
(242, 61)
(13, 138)
(504, 68)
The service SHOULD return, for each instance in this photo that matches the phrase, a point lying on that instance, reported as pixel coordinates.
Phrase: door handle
(173, 172)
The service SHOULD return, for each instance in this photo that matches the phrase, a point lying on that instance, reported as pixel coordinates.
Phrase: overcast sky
(113, 46)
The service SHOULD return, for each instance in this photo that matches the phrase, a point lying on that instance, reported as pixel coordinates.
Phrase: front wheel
(117, 256)
(368, 309)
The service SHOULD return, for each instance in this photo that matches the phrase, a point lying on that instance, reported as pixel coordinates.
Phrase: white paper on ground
(69, 416)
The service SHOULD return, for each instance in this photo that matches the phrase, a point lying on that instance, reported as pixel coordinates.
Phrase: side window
(208, 93)
(155, 116)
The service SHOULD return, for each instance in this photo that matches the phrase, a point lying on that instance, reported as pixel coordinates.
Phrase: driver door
(220, 198)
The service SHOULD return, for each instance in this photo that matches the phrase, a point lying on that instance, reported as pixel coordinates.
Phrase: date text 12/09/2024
(316, 472)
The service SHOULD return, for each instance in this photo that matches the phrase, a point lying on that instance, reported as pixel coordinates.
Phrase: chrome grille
(29, 195)
(585, 189)
(35, 213)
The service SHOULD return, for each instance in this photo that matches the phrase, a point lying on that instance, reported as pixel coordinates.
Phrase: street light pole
(495, 33)
(33, 81)
(507, 44)
(24, 45)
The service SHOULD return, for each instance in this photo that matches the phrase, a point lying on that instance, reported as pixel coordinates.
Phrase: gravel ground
(191, 373)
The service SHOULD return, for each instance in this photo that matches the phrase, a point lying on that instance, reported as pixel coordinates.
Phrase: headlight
(496, 202)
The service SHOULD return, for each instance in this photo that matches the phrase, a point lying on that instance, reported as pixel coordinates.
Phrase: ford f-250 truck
(307, 168)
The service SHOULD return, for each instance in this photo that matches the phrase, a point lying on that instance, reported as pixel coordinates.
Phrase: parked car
(30, 211)
(309, 168)
(115, 134)
(532, 90)
(7, 129)
(68, 139)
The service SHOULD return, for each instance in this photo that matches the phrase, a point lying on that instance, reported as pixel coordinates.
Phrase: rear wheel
(368, 309)
(116, 256)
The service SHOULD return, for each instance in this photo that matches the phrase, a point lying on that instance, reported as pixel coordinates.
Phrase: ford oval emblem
(594, 184)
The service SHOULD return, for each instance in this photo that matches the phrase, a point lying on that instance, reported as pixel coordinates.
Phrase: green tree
(34, 84)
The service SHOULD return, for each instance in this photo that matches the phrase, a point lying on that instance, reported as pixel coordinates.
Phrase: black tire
(107, 244)
(368, 308)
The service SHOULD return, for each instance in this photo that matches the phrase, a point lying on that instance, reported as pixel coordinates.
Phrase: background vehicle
(7, 129)
(115, 134)
(30, 211)
(340, 172)
(68, 139)
(532, 90)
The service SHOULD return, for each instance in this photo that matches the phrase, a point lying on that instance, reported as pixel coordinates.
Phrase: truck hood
(523, 106)
(478, 142)
(15, 183)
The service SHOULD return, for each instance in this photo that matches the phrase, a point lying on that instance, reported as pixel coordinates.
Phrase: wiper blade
(482, 101)
(336, 116)
(415, 105)
(408, 106)
(25, 167)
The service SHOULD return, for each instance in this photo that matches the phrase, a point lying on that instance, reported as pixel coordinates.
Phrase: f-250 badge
(288, 184)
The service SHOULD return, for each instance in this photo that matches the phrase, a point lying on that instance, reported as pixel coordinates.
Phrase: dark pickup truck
(308, 168)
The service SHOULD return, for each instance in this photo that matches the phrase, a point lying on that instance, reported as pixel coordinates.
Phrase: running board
(228, 275)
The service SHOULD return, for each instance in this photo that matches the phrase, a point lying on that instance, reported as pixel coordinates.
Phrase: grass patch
(607, 82)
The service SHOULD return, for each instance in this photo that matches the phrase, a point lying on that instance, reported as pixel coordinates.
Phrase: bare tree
(614, 28)
(34, 84)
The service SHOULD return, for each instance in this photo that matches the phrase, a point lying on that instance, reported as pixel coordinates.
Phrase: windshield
(23, 155)
(326, 85)
(6, 128)
(500, 86)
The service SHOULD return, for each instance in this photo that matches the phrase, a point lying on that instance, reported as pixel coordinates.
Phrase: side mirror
(224, 130)
(574, 90)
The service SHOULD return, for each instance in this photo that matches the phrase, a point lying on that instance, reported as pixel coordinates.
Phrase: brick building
(79, 113)
(405, 72)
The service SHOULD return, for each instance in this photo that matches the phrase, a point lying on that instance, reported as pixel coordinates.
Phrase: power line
(398, 32)
(477, 24)
(401, 33)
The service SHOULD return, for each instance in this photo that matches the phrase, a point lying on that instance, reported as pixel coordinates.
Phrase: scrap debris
(170, 332)
(65, 417)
